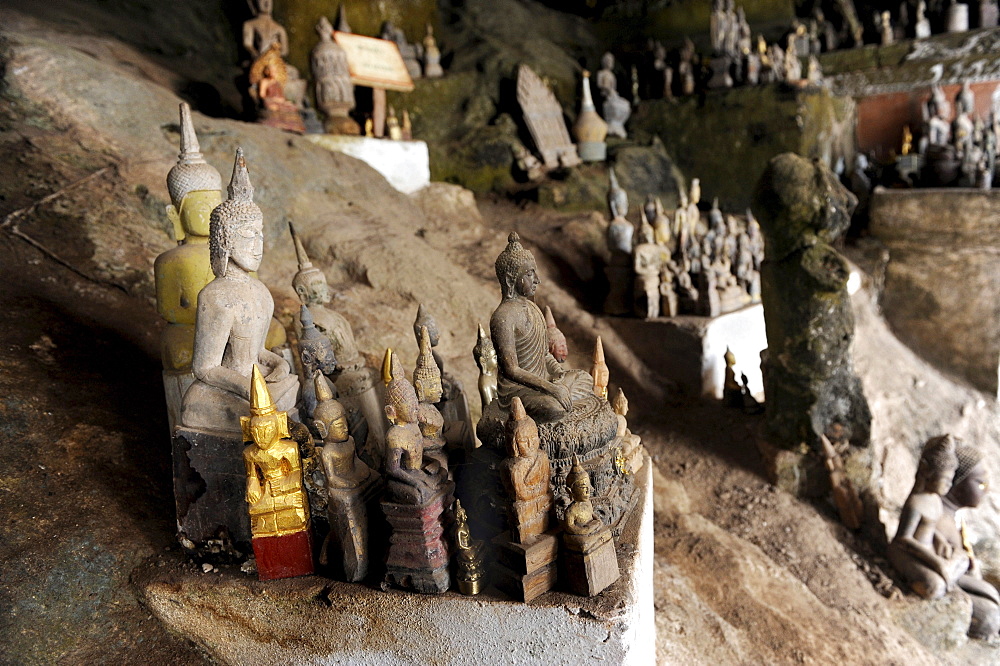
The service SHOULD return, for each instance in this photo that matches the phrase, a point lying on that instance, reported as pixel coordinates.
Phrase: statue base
(337, 622)
(405, 164)
(285, 556)
(589, 562)
(418, 554)
(209, 485)
(525, 571)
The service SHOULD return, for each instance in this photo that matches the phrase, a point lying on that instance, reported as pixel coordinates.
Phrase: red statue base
(284, 556)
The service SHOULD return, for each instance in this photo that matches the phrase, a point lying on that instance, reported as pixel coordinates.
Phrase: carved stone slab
(544, 118)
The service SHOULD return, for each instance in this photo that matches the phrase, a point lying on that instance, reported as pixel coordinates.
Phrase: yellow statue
(195, 188)
(630, 445)
(907, 140)
(600, 371)
(590, 560)
(469, 558)
(579, 518)
(278, 506)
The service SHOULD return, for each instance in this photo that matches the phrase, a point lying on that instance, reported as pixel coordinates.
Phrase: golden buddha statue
(527, 369)
(234, 313)
(589, 555)
(338, 454)
(525, 475)
(469, 557)
(180, 273)
(410, 481)
(427, 374)
(486, 359)
(579, 518)
(279, 510)
(630, 445)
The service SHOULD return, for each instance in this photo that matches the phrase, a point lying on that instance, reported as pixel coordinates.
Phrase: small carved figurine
(427, 374)
(268, 79)
(468, 556)
(334, 90)
(591, 562)
(486, 359)
(630, 443)
(600, 372)
(432, 56)
(279, 511)
(525, 475)
(317, 357)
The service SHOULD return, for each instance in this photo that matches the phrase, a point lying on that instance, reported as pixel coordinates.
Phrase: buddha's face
(526, 439)
(581, 490)
(970, 491)
(318, 355)
(247, 246)
(265, 6)
(264, 430)
(312, 288)
(196, 209)
(527, 282)
(333, 426)
(487, 358)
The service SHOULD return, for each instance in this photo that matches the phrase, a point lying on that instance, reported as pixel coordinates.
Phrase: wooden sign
(375, 63)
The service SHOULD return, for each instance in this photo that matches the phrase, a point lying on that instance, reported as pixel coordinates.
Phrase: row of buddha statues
(277, 93)
(680, 262)
(340, 466)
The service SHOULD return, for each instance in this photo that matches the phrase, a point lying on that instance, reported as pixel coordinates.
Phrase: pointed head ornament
(191, 173)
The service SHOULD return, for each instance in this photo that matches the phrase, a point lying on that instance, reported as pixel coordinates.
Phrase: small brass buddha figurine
(427, 374)
(279, 511)
(589, 551)
(181, 272)
(469, 570)
(234, 313)
(527, 368)
(600, 371)
(486, 359)
(525, 475)
(347, 480)
(409, 481)
(557, 341)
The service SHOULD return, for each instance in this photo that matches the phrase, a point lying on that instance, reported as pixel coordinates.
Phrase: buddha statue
(589, 558)
(525, 474)
(486, 359)
(234, 313)
(260, 32)
(931, 567)
(517, 327)
(579, 519)
(180, 273)
(409, 481)
(318, 360)
(338, 453)
(432, 56)
(617, 198)
(279, 510)
(557, 341)
(469, 570)
(600, 372)
(732, 391)
(427, 374)
(452, 403)
(334, 90)
(647, 257)
(269, 79)
(629, 443)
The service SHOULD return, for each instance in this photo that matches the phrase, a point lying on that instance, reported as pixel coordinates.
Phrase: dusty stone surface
(941, 279)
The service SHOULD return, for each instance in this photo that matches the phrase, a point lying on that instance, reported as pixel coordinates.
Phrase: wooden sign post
(375, 63)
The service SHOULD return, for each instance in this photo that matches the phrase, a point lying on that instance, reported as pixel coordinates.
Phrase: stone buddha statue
(334, 90)
(180, 273)
(234, 313)
(410, 481)
(318, 359)
(338, 454)
(527, 369)
(525, 474)
(931, 566)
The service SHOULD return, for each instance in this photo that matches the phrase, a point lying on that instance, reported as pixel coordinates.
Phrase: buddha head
(329, 417)
(309, 282)
(971, 480)
(324, 29)
(265, 6)
(578, 481)
(430, 420)
(461, 517)
(195, 186)
(401, 405)
(266, 425)
(607, 61)
(427, 375)
(516, 270)
(484, 353)
(620, 404)
(236, 231)
(425, 320)
(315, 349)
(522, 431)
(937, 466)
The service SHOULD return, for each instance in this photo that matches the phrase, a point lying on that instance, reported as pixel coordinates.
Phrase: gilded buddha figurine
(410, 481)
(486, 359)
(181, 272)
(279, 510)
(580, 519)
(468, 555)
(527, 369)
(234, 313)
(525, 474)
(929, 564)
(630, 444)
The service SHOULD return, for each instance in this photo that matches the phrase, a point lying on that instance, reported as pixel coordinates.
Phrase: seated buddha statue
(525, 474)
(234, 313)
(527, 369)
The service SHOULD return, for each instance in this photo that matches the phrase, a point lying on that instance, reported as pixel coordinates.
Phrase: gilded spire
(322, 388)
(240, 188)
(387, 366)
(260, 398)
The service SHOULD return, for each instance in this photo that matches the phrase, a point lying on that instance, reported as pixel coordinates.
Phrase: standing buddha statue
(486, 359)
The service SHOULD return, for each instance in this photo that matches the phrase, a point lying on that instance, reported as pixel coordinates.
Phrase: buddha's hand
(561, 393)
(944, 549)
(253, 496)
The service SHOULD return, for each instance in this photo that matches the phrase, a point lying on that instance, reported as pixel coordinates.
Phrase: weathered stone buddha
(525, 474)
(452, 403)
(486, 359)
(234, 313)
(318, 360)
(527, 369)
(279, 510)
(181, 272)
(334, 90)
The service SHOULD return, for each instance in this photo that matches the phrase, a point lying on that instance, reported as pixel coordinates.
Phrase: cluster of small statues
(277, 94)
(680, 263)
(329, 450)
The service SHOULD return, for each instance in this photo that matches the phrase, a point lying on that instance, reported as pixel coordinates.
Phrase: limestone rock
(940, 625)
